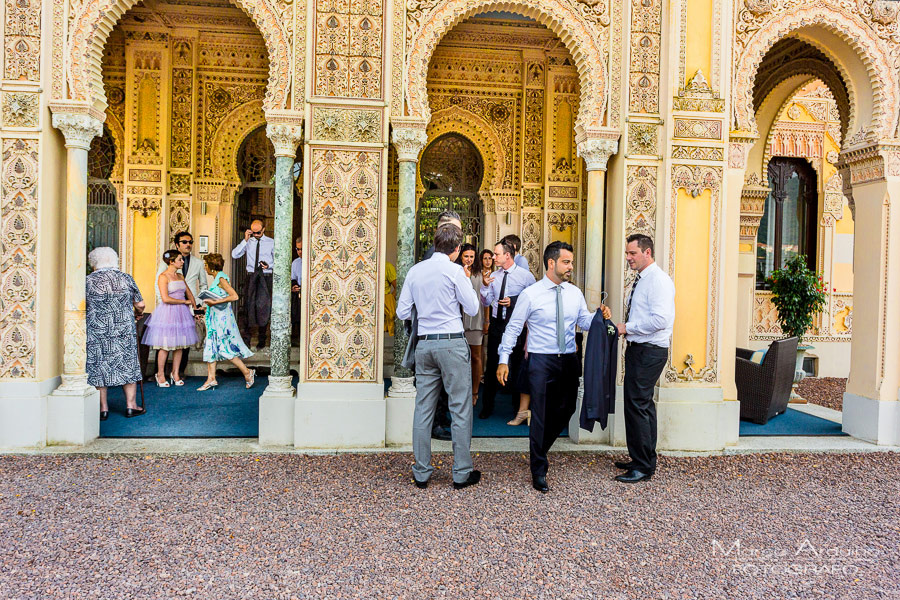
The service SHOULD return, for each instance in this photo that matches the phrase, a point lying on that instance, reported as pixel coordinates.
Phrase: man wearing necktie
(649, 319)
(500, 291)
(260, 251)
(551, 308)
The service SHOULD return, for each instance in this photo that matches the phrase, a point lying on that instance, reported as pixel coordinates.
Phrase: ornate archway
(582, 28)
(481, 134)
(863, 62)
(230, 136)
(92, 22)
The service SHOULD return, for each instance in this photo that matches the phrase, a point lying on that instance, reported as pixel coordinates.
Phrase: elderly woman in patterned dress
(113, 302)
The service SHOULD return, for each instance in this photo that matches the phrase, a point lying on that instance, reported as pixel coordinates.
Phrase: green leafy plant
(799, 294)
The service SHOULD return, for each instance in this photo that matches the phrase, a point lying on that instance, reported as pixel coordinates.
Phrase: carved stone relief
(20, 109)
(348, 44)
(646, 27)
(346, 125)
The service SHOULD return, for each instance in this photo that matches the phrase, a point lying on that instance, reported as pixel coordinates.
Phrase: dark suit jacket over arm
(600, 358)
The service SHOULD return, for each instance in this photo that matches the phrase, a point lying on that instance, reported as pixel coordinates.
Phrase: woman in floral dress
(223, 340)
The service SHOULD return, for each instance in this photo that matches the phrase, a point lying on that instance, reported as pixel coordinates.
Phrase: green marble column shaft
(281, 286)
(406, 248)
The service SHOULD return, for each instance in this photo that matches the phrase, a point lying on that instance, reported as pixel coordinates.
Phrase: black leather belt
(441, 336)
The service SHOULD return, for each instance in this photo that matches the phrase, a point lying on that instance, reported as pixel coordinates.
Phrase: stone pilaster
(596, 151)
(409, 140)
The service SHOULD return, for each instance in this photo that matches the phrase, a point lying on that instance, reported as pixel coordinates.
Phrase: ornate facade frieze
(346, 125)
(20, 109)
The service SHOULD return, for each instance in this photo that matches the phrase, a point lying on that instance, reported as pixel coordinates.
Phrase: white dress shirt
(296, 270)
(652, 313)
(537, 307)
(520, 260)
(516, 282)
(437, 287)
(266, 252)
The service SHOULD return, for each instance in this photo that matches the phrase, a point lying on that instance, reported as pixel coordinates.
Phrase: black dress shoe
(439, 433)
(474, 477)
(134, 412)
(625, 464)
(539, 482)
(104, 415)
(421, 484)
(633, 476)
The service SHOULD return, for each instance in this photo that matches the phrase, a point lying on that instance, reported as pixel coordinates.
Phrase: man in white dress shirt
(500, 291)
(516, 242)
(437, 287)
(296, 282)
(260, 251)
(551, 308)
(649, 319)
(194, 271)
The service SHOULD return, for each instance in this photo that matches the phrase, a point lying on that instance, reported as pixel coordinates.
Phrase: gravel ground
(824, 391)
(354, 526)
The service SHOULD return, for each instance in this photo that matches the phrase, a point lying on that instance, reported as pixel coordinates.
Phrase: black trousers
(553, 379)
(495, 336)
(643, 365)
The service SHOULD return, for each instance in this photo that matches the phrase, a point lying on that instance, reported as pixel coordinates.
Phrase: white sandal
(252, 379)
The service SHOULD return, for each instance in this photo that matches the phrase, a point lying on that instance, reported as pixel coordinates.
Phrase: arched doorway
(103, 207)
(451, 172)
(256, 198)
(789, 223)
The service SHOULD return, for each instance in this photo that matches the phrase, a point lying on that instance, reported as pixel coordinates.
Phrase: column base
(276, 413)
(339, 415)
(695, 419)
(583, 436)
(23, 413)
(876, 421)
(73, 415)
(401, 406)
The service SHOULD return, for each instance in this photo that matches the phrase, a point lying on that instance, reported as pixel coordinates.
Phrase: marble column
(74, 407)
(596, 153)
(409, 142)
(276, 405)
(285, 138)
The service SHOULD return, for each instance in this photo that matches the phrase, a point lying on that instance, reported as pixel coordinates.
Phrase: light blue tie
(560, 322)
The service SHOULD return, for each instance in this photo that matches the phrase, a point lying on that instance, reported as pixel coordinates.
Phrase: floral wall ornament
(20, 109)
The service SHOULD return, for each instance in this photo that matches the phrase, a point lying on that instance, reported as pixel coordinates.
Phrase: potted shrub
(799, 294)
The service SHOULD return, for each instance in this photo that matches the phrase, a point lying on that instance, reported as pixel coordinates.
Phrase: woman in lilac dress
(171, 327)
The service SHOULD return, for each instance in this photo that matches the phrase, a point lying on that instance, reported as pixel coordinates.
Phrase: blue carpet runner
(792, 422)
(231, 410)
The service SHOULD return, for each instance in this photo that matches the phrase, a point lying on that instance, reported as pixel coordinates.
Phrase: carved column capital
(78, 128)
(596, 151)
(409, 140)
(285, 137)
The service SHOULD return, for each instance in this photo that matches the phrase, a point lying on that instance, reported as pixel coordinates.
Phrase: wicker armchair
(764, 389)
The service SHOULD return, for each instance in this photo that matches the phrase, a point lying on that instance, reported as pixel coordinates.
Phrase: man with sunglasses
(194, 276)
(260, 251)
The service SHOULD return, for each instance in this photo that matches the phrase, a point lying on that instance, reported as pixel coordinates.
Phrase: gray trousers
(443, 363)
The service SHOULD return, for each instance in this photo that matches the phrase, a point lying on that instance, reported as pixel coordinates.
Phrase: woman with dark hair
(223, 340)
(473, 326)
(171, 327)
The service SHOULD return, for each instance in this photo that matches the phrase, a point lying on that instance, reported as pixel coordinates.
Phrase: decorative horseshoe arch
(584, 40)
(228, 138)
(96, 18)
(479, 132)
(881, 84)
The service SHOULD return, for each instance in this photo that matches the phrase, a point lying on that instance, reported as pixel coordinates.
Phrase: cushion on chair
(758, 356)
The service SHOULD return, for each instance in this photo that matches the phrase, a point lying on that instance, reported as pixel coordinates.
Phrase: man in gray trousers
(437, 287)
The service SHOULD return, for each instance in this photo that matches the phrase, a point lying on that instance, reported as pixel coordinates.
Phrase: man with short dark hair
(448, 216)
(437, 287)
(499, 291)
(551, 308)
(649, 319)
(517, 246)
(260, 251)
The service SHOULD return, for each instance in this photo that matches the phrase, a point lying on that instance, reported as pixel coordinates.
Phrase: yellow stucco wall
(691, 279)
(145, 259)
(698, 53)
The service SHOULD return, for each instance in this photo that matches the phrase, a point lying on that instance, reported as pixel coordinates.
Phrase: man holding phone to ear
(260, 251)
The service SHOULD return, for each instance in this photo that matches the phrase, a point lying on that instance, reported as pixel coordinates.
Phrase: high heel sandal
(164, 383)
(252, 379)
(208, 386)
(179, 382)
(521, 417)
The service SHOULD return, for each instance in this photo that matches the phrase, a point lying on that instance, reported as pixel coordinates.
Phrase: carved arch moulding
(582, 25)
(228, 138)
(480, 133)
(876, 43)
(94, 19)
